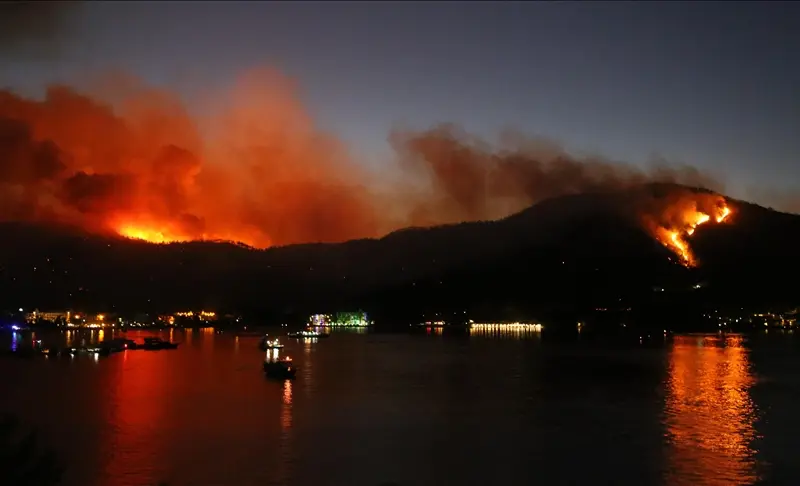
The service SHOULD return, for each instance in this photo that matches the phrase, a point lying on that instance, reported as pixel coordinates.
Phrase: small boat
(118, 345)
(280, 369)
(130, 344)
(156, 344)
(86, 351)
(266, 344)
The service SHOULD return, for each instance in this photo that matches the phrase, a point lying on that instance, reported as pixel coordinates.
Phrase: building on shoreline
(340, 319)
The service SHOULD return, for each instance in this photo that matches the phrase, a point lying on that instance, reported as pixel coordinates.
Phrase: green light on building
(340, 319)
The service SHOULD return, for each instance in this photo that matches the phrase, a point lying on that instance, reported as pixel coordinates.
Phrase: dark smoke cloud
(24, 160)
(471, 179)
(34, 28)
(97, 193)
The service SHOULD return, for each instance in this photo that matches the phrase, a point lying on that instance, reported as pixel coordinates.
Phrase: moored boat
(118, 345)
(267, 343)
(83, 350)
(283, 369)
(156, 344)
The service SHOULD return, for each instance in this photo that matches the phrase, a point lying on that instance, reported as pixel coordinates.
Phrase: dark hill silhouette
(567, 254)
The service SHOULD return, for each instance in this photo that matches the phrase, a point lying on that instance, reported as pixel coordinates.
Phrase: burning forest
(678, 220)
(131, 160)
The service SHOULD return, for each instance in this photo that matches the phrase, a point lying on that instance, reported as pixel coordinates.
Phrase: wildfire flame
(724, 215)
(676, 238)
(160, 233)
(147, 234)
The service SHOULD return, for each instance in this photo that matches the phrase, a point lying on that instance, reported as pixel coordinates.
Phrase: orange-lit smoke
(133, 162)
(139, 167)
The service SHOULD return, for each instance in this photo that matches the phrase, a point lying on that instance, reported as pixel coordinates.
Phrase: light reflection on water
(307, 372)
(272, 355)
(434, 330)
(508, 331)
(286, 410)
(709, 414)
(340, 329)
(205, 414)
(285, 442)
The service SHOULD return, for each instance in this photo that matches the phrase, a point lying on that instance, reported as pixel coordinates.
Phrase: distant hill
(563, 256)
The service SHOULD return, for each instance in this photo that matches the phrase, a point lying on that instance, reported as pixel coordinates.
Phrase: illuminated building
(340, 319)
(319, 320)
(201, 315)
(53, 316)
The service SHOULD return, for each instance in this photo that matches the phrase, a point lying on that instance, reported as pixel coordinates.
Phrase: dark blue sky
(715, 85)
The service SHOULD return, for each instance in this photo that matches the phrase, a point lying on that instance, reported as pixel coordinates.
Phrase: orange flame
(724, 214)
(160, 233)
(147, 234)
(676, 238)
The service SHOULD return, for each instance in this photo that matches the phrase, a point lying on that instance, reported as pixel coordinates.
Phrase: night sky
(714, 85)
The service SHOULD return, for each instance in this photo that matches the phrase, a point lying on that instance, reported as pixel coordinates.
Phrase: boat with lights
(82, 351)
(118, 345)
(282, 369)
(267, 343)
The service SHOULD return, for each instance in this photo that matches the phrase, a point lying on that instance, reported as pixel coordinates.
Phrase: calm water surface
(367, 409)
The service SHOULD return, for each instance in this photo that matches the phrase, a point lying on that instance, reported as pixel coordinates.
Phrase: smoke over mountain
(260, 172)
(473, 180)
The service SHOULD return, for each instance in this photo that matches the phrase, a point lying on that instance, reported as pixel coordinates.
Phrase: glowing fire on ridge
(676, 239)
(160, 233)
(147, 234)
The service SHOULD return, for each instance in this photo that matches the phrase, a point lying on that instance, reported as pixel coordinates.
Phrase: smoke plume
(472, 180)
(260, 172)
(34, 28)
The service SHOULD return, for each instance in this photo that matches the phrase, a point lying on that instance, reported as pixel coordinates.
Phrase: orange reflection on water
(140, 392)
(709, 413)
(285, 440)
(286, 409)
(207, 339)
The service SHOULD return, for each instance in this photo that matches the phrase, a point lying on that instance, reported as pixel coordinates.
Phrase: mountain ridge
(592, 248)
